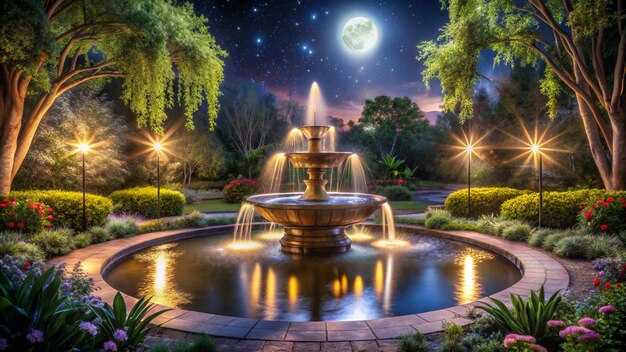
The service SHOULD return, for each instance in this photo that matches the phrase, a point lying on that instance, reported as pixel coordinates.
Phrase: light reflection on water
(204, 274)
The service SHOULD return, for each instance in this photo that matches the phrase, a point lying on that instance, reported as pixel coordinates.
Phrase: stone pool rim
(537, 268)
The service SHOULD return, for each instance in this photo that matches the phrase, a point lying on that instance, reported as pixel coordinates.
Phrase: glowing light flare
(271, 236)
(379, 278)
(358, 286)
(243, 246)
(158, 147)
(336, 288)
(390, 243)
(292, 288)
(360, 237)
(469, 288)
(160, 274)
(255, 286)
(344, 284)
(468, 145)
(270, 294)
(83, 147)
(155, 144)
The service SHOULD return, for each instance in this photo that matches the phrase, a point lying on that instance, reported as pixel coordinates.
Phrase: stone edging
(538, 269)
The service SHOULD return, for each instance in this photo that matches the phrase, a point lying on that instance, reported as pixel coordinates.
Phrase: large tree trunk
(12, 111)
(618, 176)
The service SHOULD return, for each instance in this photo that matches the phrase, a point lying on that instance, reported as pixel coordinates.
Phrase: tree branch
(75, 58)
(75, 72)
(58, 13)
(66, 87)
(618, 74)
(71, 31)
(598, 64)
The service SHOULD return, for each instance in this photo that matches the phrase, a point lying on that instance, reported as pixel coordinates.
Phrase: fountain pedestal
(315, 220)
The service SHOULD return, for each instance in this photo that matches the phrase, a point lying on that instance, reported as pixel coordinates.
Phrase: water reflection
(365, 283)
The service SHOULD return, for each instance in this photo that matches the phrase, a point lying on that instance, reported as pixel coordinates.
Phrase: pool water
(204, 274)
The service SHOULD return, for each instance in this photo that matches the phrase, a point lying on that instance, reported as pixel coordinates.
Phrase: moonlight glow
(359, 34)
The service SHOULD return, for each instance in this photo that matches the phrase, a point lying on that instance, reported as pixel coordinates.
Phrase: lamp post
(469, 149)
(83, 148)
(536, 150)
(158, 147)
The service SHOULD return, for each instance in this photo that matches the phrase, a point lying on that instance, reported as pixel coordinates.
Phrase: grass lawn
(219, 205)
(211, 206)
(408, 205)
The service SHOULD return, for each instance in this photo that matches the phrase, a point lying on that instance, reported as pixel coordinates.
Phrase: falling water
(295, 141)
(352, 175)
(328, 143)
(316, 111)
(243, 227)
(274, 174)
(389, 228)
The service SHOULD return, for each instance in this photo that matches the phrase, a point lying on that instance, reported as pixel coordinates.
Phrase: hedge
(143, 201)
(395, 193)
(560, 209)
(67, 207)
(484, 201)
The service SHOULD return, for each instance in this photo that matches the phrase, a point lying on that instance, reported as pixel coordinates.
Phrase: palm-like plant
(391, 163)
(526, 317)
(135, 324)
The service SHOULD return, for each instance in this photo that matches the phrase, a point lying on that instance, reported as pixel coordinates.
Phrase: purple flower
(574, 331)
(110, 346)
(538, 348)
(35, 336)
(606, 309)
(89, 327)
(589, 336)
(553, 323)
(586, 322)
(3, 344)
(120, 335)
(512, 339)
(601, 273)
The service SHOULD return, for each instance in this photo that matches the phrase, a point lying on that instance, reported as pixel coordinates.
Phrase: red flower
(13, 199)
(607, 286)
(49, 209)
(5, 200)
(12, 204)
(588, 214)
(596, 281)
(32, 206)
(12, 213)
(26, 266)
(3, 206)
(20, 225)
(50, 217)
(48, 225)
(11, 224)
(610, 200)
(41, 212)
(600, 201)
(603, 227)
(28, 200)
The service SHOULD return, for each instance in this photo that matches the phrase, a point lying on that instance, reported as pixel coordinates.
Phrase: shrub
(237, 190)
(54, 242)
(122, 227)
(452, 334)
(395, 193)
(484, 201)
(415, 342)
(604, 216)
(539, 236)
(82, 240)
(99, 234)
(23, 214)
(573, 246)
(437, 219)
(603, 246)
(67, 207)
(517, 232)
(143, 201)
(22, 250)
(560, 209)
(550, 241)
(500, 225)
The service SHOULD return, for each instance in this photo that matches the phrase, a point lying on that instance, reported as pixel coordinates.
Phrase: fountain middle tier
(316, 227)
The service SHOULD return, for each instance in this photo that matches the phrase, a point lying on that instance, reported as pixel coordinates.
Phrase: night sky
(287, 45)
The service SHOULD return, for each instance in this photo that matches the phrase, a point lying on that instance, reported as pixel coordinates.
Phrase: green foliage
(517, 232)
(143, 201)
(395, 193)
(484, 201)
(437, 219)
(135, 322)
(560, 209)
(82, 240)
(37, 304)
(604, 215)
(452, 334)
(123, 227)
(22, 250)
(415, 342)
(527, 317)
(603, 246)
(201, 343)
(54, 242)
(550, 241)
(573, 246)
(539, 236)
(23, 215)
(391, 164)
(99, 234)
(67, 207)
(237, 190)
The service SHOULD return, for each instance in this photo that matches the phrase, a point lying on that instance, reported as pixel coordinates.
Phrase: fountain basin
(318, 160)
(316, 227)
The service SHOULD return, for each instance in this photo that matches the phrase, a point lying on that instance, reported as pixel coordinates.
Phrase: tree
(582, 43)
(199, 153)
(389, 115)
(53, 162)
(48, 47)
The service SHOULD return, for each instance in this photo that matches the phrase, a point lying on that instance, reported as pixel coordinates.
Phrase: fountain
(315, 221)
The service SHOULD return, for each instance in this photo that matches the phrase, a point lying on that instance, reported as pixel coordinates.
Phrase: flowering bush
(383, 183)
(522, 343)
(611, 271)
(604, 215)
(24, 215)
(237, 190)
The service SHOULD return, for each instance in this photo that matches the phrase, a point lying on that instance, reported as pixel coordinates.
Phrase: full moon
(359, 34)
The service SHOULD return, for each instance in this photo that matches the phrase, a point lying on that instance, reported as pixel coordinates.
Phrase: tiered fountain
(315, 221)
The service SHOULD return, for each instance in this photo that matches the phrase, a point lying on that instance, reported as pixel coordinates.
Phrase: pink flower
(512, 339)
(606, 309)
(586, 322)
(35, 336)
(553, 323)
(110, 346)
(589, 336)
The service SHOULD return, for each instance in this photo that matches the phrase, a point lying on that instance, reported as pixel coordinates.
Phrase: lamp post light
(469, 149)
(83, 148)
(536, 150)
(158, 147)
